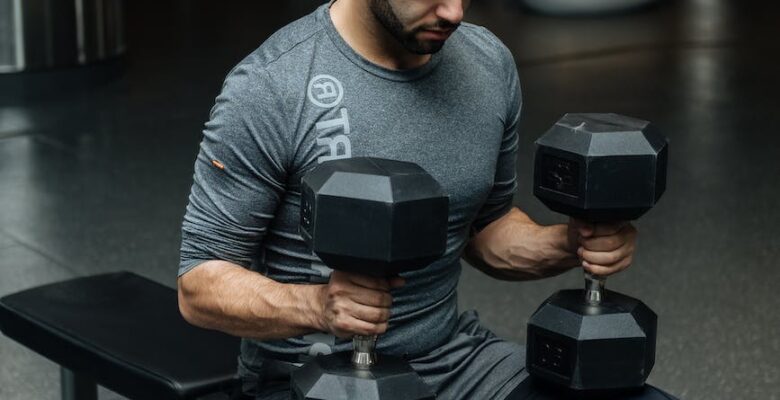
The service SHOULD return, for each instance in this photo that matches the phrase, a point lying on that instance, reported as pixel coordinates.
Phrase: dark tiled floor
(97, 180)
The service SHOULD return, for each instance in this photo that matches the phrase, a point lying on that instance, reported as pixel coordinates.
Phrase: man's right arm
(230, 298)
(227, 297)
(240, 177)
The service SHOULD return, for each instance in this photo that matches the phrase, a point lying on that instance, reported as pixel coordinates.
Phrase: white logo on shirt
(325, 91)
(339, 145)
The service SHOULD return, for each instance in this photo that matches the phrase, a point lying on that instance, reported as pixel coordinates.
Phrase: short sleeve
(499, 201)
(240, 173)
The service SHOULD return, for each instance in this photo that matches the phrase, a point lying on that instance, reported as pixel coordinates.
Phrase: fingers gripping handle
(363, 354)
(594, 288)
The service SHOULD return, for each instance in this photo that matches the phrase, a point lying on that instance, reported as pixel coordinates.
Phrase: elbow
(186, 295)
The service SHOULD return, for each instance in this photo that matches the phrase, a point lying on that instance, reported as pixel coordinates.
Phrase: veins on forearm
(514, 247)
(235, 301)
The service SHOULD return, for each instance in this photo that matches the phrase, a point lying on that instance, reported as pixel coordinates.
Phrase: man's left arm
(507, 244)
(514, 247)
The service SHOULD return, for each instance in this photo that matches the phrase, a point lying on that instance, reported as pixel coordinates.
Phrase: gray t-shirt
(303, 97)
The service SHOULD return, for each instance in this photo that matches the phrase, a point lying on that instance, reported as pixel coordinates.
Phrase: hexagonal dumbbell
(373, 216)
(598, 168)
(380, 218)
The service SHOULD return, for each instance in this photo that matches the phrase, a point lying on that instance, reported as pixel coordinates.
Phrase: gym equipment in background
(39, 35)
(121, 331)
(585, 7)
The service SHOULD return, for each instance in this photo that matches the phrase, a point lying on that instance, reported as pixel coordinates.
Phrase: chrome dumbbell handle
(363, 354)
(594, 288)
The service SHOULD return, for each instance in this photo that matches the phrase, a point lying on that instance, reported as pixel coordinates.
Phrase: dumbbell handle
(594, 288)
(363, 355)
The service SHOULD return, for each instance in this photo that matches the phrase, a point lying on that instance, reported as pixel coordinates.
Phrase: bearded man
(398, 79)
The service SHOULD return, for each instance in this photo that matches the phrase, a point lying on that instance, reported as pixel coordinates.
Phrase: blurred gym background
(102, 103)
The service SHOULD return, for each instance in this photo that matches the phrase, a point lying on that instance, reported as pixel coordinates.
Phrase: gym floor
(96, 180)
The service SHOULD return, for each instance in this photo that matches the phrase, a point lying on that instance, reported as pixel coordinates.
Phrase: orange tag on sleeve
(218, 164)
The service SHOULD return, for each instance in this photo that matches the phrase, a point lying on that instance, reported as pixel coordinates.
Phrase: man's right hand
(355, 304)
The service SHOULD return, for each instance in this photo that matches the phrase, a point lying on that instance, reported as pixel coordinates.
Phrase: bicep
(499, 200)
(239, 178)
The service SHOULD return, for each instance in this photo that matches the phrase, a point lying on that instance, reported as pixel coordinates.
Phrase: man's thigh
(474, 364)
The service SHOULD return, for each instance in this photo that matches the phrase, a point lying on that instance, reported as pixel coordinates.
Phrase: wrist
(313, 306)
(565, 243)
(572, 238)
(296, 306)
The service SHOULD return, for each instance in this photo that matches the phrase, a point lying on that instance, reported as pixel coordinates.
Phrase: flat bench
(123, 332)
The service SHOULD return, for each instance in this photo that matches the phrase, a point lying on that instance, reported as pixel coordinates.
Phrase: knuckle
(613, 259)
(376, 315)
(342, 324)
(335, 290)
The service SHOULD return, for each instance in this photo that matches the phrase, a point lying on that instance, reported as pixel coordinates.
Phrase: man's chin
(425, 47)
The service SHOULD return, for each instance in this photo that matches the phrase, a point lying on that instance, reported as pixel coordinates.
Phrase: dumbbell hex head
(600, 167)
(373, 216)
(334, 377)
(592, 348)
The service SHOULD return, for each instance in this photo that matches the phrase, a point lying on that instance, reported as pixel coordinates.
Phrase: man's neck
(358, 26)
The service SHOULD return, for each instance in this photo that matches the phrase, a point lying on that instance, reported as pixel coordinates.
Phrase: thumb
(583, 228)
(586, 230)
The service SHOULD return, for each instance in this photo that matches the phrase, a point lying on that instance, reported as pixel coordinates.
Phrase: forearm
(226, 297)
(514, 247)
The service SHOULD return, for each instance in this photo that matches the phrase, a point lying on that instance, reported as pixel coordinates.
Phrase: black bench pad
(124, 331)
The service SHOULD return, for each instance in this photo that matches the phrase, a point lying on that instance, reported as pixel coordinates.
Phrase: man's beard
(384, 13)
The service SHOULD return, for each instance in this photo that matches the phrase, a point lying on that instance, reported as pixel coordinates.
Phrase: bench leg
(75, 386)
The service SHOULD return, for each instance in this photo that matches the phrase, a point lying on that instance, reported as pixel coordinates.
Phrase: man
(399, 79)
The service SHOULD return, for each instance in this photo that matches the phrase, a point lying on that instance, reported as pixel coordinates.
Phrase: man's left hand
(604, 248)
